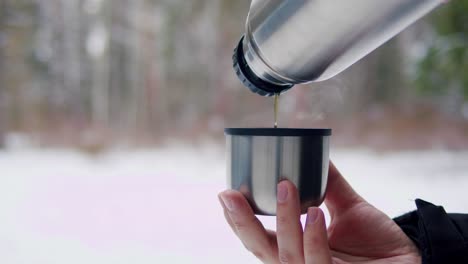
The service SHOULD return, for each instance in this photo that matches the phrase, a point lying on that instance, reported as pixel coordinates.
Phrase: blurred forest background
(99, 73)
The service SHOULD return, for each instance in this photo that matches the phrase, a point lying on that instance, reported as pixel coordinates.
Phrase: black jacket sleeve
(442, 238)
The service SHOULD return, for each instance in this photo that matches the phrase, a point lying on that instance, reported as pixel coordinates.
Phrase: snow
(160, 206)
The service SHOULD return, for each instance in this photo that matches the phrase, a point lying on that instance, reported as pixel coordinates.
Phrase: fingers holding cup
(246, 226)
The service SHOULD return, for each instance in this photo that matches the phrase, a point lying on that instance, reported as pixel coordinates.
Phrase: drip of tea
(276, 109)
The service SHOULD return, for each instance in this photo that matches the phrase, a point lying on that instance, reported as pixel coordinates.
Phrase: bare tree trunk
(117, 82)
(100, 79)
(51, 25)
(100, 93)
(135, 84)
(160, 105)
(2, 73)
(72, 69)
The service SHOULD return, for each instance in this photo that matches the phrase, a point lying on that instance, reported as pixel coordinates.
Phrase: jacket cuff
(439, 238)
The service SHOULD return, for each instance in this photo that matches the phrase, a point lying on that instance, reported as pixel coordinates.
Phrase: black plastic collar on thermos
(250, 80)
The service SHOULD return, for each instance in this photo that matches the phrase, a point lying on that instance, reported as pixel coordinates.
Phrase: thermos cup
(258, 159)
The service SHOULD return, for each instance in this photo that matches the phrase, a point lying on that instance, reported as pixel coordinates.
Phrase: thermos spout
(301, 41)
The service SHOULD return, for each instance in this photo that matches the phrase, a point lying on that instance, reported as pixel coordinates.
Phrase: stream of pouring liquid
(276, 109)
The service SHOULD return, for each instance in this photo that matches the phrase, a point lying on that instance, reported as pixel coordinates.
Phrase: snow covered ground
(160, 206)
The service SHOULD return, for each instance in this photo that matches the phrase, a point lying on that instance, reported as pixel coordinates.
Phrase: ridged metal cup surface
(258, 159)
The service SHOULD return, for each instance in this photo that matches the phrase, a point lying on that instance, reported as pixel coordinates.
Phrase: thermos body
(299, 41)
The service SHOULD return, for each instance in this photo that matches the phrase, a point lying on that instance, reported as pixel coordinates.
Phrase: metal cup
(258, 159)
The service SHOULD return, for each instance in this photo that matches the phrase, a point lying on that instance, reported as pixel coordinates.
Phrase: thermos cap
(249, 79)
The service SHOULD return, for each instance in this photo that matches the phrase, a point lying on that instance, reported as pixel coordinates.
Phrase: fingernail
(282, 192)
(227, 203)
(312, 215)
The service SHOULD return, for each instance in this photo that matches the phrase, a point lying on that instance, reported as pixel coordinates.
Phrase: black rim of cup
(278, 132)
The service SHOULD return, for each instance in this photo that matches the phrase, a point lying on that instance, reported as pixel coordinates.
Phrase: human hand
(358, 232)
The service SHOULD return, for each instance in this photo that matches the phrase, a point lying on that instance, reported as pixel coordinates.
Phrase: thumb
(316, 249)
(340, 195)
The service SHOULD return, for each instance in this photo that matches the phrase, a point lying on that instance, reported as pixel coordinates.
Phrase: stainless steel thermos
(300, 41)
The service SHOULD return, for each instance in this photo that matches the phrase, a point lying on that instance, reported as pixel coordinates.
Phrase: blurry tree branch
(442, 71)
